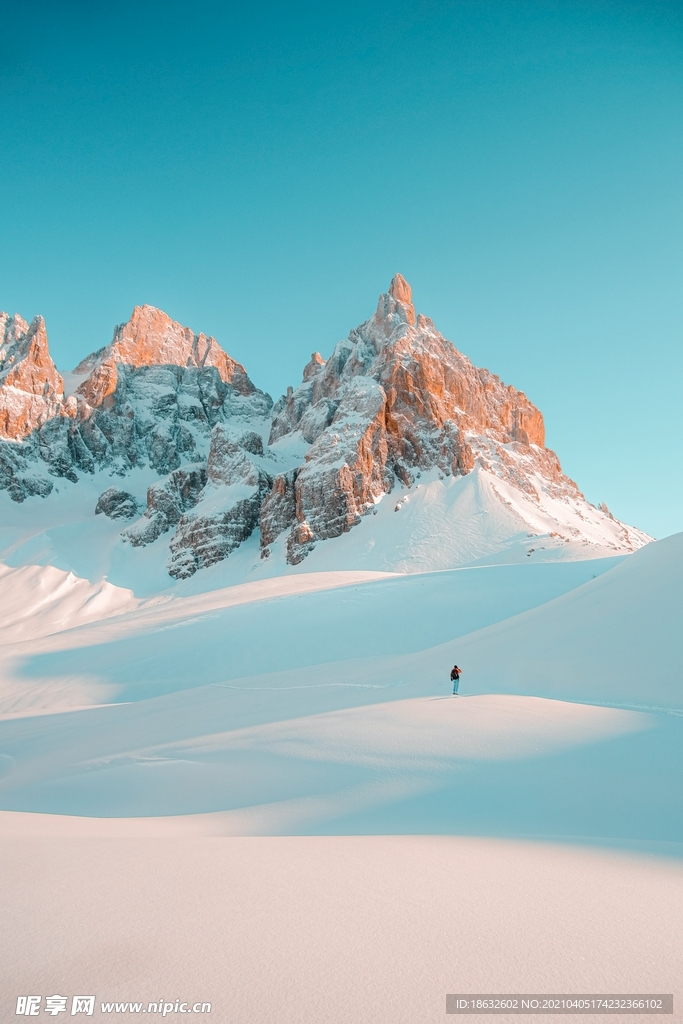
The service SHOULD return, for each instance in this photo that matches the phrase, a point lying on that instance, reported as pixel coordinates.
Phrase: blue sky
(261, 174)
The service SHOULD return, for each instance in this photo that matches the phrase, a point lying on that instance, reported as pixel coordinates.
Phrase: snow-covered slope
(615, 639)
(298, 684)
(439, 523)
(324, 712)
(299, 723)
(396, 400)
(278, 625)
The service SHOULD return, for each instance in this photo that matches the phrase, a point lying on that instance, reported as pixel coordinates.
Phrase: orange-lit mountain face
(393, 399)
(393, 409)
(31, 390)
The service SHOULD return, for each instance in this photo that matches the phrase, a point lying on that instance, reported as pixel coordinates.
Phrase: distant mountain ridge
(394, 404)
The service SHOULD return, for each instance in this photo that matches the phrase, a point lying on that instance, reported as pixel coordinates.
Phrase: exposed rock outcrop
(163, 416)
(228, 513)
(151, 338)
(116, 504)
(345, 470)
(166, 503)
(278, 510)
(18, 474)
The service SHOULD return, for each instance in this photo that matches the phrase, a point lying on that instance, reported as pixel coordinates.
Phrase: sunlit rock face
(31, 390)
(151, 338)
(155, 393)
(150, 398)
(395, 398)
(393, 401)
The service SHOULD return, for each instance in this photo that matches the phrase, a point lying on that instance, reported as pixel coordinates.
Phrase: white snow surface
(263, 796)
(320, 703)
(332, 930)
(38, 600)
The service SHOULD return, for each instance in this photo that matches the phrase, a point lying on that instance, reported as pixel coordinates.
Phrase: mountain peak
(395, 400)
(152, 338)
(400, 289)
(395, 306)
(312, 367)
(31, 390)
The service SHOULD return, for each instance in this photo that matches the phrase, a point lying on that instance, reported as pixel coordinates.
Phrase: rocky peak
(423, 405)
(151, 338)
(151, 398)
(400, 290)
(31, 390)
(426, 381)
(22, 344)
(394, 308)
(12, 330)
(312, 367)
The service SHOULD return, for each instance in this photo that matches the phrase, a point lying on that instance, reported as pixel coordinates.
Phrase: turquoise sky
(261, 174)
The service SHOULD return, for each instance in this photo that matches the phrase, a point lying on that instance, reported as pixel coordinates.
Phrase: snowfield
(263, 794)
(439, 523)
(334, 930)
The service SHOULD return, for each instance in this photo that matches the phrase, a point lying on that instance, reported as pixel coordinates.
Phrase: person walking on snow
(455, 679)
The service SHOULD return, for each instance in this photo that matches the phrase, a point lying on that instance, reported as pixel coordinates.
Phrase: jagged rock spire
(400, 289)
(392, 400)
(31, 390)
(311, 368)
(397, 302)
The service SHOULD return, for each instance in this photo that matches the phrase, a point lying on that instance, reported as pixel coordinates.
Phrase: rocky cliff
(394, 402)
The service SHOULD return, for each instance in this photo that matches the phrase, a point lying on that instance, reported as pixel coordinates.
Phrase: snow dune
(349, 769)
(274, 625)
(38, 600)
(427, 733)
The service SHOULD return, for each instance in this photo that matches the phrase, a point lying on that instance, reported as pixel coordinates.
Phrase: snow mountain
(394, 454)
